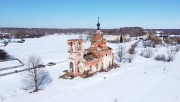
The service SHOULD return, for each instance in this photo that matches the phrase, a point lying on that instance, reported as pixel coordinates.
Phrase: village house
(96, 58)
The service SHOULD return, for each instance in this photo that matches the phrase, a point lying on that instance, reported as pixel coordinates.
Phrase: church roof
(97, 37)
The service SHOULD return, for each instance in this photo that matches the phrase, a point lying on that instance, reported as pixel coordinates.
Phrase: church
(96, 58)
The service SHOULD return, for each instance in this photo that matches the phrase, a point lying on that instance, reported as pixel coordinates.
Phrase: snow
(49, 48)
(10, 63)
(174, 36)
(143, 80)
(159, 32)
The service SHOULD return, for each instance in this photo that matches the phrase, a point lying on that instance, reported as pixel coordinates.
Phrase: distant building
(3, 33)
(116, 38)
(97, 57)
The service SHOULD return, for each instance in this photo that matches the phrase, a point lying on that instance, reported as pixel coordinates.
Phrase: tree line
(132, 31)
(38, 32)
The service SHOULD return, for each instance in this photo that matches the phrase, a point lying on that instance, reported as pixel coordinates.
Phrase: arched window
(109, 63)
(96, 66)
(71, 44)
(71, 67)
(102, 66)
(78, 69)
(90, 68)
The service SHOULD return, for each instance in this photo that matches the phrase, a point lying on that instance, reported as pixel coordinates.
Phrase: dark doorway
(78, 69)
(102, 66)
(109, 63)
(71, 67)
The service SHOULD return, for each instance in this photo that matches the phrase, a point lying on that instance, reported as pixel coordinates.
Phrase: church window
(96, 66)
(78, 69)
(102, 66)
(71, 67)
(90, 68)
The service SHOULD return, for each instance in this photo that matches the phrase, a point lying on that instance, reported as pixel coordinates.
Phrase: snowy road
(20, 68)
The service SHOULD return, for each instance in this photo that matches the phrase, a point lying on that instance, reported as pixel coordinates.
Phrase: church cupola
(98, 25)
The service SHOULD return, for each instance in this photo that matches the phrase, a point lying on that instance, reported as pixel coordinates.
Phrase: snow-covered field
(143, 80)
(9, 64)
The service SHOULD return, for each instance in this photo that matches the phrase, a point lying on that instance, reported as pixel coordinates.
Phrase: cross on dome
(98, 25)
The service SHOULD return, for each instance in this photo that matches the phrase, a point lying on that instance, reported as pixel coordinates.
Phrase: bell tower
(98, 31)
(75, 54)
(98, 25)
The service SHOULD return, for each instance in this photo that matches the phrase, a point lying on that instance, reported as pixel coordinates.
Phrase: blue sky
(84, 13)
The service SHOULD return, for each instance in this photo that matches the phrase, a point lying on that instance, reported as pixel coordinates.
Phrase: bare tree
(156, 40)
(151, 32)
(120, 53)
(36, 77)
(177, 48)
(131, 52)
(170, 54)
(178, 40)
(160, 57)
(147, 53)
(130, 57)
